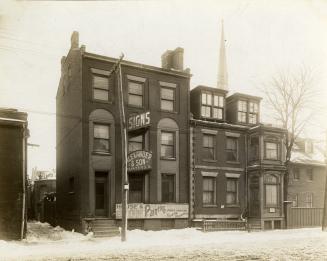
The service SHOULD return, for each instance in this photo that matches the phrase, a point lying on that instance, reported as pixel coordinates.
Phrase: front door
(101, 194)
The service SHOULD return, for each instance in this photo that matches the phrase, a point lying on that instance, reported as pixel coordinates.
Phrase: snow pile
(45, 242)
(42, 232)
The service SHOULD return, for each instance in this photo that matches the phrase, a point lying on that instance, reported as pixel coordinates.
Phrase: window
(135, 143)
(100, 87)
(231, 148)
(308, 146)
(310, 174)
(271, 190)
(232, 191)
(212, 106)
(253, 113)
(135, 94)
(101, 142)
(254, 149)
(242, 111)
(206, 105)
(208, 191)
(209, 146)
(167, 144)
(136, 184)
(167, 99)
(308, 200)
(271, 151)
(218, 105)
(296, 174)
(168, 188)
(71, 185)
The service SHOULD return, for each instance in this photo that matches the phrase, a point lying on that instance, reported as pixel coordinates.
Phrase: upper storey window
(167, 99)
(242, 111)
(271, 150)
(212, 106)
(253, 113)
(100, 84)
(101, 138)
(135, 143)
(135, 94)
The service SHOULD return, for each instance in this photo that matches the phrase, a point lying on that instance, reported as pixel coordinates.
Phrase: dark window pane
(135, 100)
(168, 188)
(101, 145)
(99, 193)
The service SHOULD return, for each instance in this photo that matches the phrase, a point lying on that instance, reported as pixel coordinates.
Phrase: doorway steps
(104, 227)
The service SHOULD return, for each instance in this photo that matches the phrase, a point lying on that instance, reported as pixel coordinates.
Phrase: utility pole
(123, 133)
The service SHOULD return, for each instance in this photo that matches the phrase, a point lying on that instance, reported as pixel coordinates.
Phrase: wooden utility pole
(123, 133)
(324, 214)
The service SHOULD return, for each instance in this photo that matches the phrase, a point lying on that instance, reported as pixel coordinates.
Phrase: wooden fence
(304, 217)
(219, 225)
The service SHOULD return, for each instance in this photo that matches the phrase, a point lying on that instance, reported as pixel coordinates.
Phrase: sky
(262, 38)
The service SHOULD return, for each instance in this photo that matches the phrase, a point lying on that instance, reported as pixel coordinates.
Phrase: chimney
(166, 62)
(178, 55)
(74, 40)
(173, 59)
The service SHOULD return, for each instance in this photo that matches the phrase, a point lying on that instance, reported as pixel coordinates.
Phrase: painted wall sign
(139, 121)
(149, 211)
(139, 160)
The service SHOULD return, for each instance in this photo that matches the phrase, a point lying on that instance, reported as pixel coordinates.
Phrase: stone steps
(105, 228)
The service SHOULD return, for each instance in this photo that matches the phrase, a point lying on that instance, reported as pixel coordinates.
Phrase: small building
(13, 173)
(307, 177)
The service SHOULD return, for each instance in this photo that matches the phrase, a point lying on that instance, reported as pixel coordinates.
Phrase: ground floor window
(136, 188)
(208, 191)
(232, 191)
(308, 200)
(271, 190)
(168, 188)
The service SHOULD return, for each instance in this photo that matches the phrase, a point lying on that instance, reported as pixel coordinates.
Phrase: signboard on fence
(139, 160)
(153, 211)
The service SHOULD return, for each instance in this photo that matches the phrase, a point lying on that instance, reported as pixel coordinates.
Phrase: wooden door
(101, 194)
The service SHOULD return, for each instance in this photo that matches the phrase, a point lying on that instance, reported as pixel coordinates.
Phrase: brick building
(89, 141)
(13, 173)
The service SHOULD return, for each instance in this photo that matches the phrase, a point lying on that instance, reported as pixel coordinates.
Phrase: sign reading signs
(139, 160)
(139, 121)
(144, 211)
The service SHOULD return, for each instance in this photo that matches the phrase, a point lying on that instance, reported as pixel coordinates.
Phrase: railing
(304, 217)
(221, 225)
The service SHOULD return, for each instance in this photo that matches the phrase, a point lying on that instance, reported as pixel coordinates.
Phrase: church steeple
(222, 82)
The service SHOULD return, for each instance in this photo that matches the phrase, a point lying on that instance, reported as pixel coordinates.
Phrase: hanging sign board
(139, 160)
(139, 121)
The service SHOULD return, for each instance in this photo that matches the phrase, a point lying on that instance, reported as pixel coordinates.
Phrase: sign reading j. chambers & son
(144, 211)
(139, 160)
(138, 121)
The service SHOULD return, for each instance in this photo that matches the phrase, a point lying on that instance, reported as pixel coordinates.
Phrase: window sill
(102, 101)
(171, 159)
(135, 106)
(173, 112)
(210, 206)
(233, 162)
(71, 192)
(232, 206)
(101, 153)
(209, 160)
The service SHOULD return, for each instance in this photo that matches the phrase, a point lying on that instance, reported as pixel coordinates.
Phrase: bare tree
(290, 97)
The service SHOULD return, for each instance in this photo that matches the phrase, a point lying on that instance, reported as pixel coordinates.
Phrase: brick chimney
(173, 59)
(74, 40)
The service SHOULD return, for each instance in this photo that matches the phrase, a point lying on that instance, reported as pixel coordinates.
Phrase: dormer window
(242, 111)
(212, 106)
(308, 146)
(253, 113)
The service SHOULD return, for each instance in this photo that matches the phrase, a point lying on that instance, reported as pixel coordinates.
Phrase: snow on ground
(47, 243)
